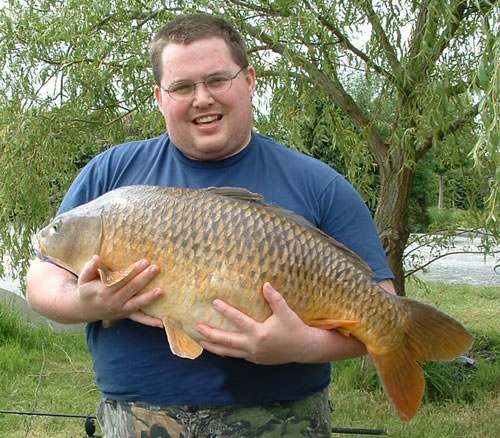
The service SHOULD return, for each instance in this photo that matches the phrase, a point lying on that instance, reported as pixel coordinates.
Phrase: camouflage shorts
(303, 418)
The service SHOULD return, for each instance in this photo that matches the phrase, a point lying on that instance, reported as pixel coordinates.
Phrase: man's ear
(251, 79)
(159, 98)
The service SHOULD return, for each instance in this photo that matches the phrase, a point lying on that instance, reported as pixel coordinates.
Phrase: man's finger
(241, 320)
(89, 271)
(275, 299)
(222, 350)
(140, 301)
(140, 280)
(142, 318)
(222, 337)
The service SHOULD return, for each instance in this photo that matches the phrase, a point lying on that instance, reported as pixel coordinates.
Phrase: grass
(45, 371)
(460, 401)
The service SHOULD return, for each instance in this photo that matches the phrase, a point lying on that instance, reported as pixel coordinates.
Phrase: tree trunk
(391, 216)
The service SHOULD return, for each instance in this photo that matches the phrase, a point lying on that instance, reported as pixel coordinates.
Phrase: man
(204, 89)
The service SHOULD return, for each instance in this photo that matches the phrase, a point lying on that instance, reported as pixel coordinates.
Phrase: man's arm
(282, 338)
(388, 286)
(59, 295)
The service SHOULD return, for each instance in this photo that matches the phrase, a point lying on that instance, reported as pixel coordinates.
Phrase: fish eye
(56, 226)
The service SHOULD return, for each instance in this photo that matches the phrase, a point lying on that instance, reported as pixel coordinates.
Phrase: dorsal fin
(237, 192)
(247, 195)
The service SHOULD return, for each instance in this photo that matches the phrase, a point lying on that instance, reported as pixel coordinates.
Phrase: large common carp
(226, 243)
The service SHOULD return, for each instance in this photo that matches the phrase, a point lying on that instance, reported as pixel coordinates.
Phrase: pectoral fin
(343, 326)
(181, 344)
(112, 278)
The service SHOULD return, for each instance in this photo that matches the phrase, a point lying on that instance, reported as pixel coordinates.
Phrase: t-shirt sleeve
(86, 186)
(345, 216)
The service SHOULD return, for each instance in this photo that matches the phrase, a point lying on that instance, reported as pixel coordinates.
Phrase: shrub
(446, 217)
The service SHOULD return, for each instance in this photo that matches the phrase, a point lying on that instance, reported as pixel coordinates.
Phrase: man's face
(206, 126)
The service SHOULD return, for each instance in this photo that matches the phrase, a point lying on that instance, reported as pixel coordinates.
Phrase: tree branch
(256, 49)
(421, 62)
(422, 267)
(448, 33)
(389, 51)
(418, 31)
(257, 8)
(459, 88)
(333, 88)
(147, 19)
(424, 147)
(344, 40)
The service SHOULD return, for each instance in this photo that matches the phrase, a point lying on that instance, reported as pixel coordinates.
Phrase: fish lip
(55, 261)
(41, 249)
(39, 241)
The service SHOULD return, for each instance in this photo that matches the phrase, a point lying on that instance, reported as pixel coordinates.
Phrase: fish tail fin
(403, 381)
(433, 335)
(429, 335)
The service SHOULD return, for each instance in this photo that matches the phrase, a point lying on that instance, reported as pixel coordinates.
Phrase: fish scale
(226, 243)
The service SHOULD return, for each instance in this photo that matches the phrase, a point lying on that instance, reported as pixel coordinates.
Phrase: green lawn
(44, 371)
(459, 402)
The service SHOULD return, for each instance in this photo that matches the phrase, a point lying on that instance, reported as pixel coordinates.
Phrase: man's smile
(207, 119)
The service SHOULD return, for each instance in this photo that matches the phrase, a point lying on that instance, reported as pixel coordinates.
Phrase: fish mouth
(58, 263)
(41, 247)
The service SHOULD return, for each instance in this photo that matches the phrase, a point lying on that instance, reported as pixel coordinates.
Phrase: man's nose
(202, 94)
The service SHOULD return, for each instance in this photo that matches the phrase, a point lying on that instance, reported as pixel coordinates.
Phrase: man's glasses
(216, 84)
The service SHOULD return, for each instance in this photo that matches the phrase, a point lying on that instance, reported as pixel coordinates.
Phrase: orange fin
(403, 381)
(433, 335)
(428, 334)
(111, 278)
(343, 326)
(181, 344)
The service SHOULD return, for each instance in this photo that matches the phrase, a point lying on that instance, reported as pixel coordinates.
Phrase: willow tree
(76, 79)
(432, 64)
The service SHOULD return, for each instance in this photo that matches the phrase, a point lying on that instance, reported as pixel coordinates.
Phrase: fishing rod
(89, 419)
(90, 423)
(358, 431)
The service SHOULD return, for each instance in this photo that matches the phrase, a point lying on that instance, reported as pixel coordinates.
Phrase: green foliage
(322, 131)
(47, 371)
(464, 382)
(459, 398)
(445, 218)
(76, 80)
(372, 89)
(458, 381)
(43, 371)
(423, 193)
(488, 78)
(453, 381)
(13, 327)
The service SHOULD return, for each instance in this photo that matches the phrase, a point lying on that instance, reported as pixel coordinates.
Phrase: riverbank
(47, 371)
(20, 306)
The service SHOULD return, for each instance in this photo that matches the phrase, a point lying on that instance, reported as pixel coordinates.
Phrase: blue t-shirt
(133, 361)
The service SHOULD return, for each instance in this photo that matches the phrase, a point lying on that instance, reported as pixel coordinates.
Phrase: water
(474, 269)
(11, 293)
(8, 282)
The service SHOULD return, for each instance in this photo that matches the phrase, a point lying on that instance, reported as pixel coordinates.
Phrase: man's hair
(186, 29)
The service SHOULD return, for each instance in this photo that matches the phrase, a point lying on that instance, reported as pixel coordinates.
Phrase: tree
(77, 77)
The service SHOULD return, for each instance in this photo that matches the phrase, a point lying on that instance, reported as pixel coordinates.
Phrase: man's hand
(57, 294)
(102, 302)
(281, 338)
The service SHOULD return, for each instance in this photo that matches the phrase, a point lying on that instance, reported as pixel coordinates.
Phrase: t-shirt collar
(217, 164)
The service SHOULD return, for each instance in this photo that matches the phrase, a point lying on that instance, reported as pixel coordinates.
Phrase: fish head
(71, 239)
